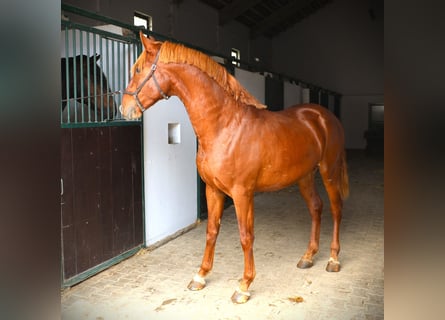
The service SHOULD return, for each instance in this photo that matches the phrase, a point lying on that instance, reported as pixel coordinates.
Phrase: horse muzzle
(130, 113)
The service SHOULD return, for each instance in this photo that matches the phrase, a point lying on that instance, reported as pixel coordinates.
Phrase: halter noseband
(150, 75)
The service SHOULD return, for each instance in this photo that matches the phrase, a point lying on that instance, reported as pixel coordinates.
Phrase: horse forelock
(139, 62)
(177, 53)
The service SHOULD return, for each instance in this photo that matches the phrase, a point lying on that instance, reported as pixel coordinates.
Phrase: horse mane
(177, 53)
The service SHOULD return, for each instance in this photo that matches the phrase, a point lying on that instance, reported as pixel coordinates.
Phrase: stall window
(235, 54)
(143, 20)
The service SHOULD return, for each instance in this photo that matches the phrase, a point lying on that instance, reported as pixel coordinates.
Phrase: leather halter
(150, 75)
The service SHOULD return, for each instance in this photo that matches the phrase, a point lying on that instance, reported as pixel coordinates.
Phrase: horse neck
(209, 107)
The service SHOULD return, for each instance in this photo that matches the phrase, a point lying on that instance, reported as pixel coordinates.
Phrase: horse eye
(138, 70)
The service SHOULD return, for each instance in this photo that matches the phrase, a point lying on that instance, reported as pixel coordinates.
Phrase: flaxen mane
(176, 53)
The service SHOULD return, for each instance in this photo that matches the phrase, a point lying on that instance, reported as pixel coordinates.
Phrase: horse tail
(344, 179)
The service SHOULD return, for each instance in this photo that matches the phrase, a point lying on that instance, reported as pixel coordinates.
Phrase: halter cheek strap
(150, 75)
(166, 97)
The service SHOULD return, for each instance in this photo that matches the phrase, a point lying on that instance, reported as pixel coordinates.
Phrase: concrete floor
(152, 285)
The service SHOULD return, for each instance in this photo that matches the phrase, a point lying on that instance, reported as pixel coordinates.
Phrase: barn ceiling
(265, 17)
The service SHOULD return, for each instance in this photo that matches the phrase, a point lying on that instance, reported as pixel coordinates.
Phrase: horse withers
(84, 81)
(243, 148)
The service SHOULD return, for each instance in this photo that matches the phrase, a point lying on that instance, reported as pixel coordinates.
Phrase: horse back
(322, 123)
(297, 143)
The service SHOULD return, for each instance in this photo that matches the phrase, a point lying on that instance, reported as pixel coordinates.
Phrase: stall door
(101, 198)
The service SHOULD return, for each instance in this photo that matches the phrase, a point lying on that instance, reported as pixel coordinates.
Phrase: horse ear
(150, 45)
(93, 59)
(147, 42)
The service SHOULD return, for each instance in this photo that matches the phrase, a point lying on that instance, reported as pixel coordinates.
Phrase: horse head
(87, 84)
(146, 85)
(101, 98)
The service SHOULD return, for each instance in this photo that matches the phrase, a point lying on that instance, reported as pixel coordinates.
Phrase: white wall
(170, 171)
(255, 83)
(305, 95)
(292, 94)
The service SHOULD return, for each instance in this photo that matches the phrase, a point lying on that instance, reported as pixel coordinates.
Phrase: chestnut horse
(243, 148)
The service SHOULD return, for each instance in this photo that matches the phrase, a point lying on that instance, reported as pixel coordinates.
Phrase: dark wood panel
(314, 96)
(102, 201)
(125, 176)
(274, 94)
(324, 100)
(337, 106)
(106, 196)
(85, 180)
(67, 220)
(69, 251)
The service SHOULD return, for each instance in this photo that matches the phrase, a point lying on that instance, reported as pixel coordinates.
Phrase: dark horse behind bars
(88, 85)
(242, 148)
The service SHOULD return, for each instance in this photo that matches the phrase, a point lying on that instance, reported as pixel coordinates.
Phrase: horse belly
(276, 181)
(284, 172)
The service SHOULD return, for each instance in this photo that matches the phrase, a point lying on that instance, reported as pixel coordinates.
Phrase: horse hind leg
(335, 180)
(315, 205)
(215, 205)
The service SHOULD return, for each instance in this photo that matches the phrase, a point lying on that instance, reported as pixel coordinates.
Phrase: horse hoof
(333, 266)
(195, 286)
(305, 264)
(197, 283)
(239, 297)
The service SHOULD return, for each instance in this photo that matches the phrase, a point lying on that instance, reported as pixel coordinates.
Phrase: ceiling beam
(235, 9)
(283, 13)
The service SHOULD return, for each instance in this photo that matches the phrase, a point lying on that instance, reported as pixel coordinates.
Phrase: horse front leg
(215, 207)
(245, 216)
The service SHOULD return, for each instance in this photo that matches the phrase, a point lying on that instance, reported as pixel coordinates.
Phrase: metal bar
(102, 124)
(117, 83)
(100, 267)
(107, 45)
(111, 82)
(94, 16)
(95, 77)
(89, 75)
(67, 78)
(122, 77)
(103, 33)
(74, 75)
(101, 68)
(110, 93)
(82, 82)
